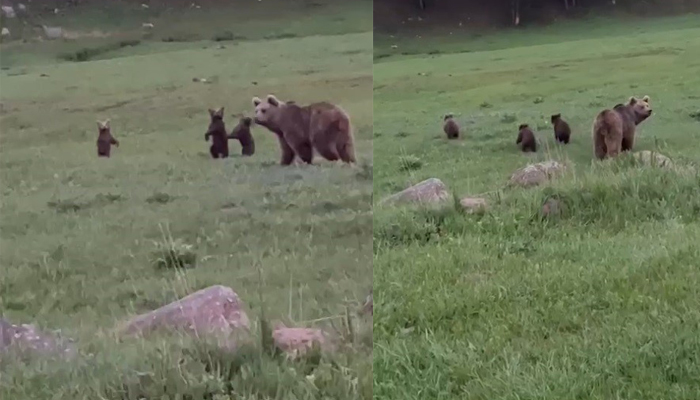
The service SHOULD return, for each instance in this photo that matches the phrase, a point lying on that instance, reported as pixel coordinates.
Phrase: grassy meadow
(599, 302)
(79, 234)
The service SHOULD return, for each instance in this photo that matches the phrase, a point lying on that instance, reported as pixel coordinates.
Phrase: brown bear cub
(322, 126)
(562, 131)
(450, 127)
(614, 130)
(242, 133)
(526, 139)
(105, 140)
(217, 130)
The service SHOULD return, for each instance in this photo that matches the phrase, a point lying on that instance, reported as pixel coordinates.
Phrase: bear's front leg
(288, 153)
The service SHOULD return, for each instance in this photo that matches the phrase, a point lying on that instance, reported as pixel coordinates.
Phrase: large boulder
(536, 174)
(213, 310)
(431, 190)
(27, 338)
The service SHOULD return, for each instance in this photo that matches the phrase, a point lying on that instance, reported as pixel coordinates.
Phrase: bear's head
(523, 126)
(216, 114)
(641, 108)
(243, 126)
(103, 127)
(556, 117)
(269, 111)
(246, 121)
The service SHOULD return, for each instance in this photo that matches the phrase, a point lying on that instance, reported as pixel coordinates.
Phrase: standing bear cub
(217, 130)
(322, 126)
(242, 133)
(105, 140)
(562, 130)
(614, 130)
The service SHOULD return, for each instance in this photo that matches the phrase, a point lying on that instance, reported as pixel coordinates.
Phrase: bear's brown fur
(526, 139)
(614, 130)
(562, 130)
(217, 130)
(451, 128)
(242, 133)
(322, 126)
(105, 140)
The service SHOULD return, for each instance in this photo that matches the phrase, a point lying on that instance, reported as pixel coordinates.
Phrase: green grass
(80, 235)
(600, 302)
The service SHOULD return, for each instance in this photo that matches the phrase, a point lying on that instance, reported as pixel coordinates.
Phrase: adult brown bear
(614, 130)
(301, 129)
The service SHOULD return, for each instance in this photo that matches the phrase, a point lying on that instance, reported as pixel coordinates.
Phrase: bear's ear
(271, 99)
(646, 99)
(256, 101)
(220, 112)
(100, 125)
(106, 123)
(632, 101)
(212, 112)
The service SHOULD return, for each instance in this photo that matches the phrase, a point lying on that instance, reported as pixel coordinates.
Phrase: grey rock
(431, 190)
(536, 174)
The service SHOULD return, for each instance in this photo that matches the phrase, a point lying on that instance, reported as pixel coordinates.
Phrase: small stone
(27, 338)
(474, 204)
(9, 12)
(653, 159)
(52, 32)
(297, 341)
(431, 190)
(5, 32)
(368, 308)
(552, 208)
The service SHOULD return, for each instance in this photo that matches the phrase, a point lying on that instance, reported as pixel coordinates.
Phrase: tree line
(517, 8)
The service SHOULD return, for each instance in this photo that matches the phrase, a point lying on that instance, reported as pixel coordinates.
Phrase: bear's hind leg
(214, 151)
(326, 151)
(612, 145)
